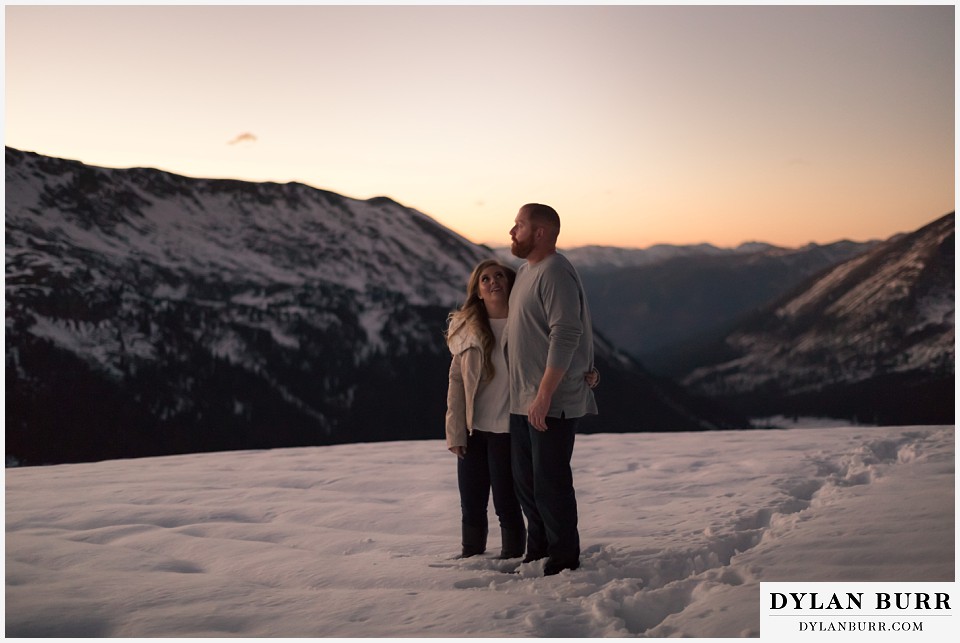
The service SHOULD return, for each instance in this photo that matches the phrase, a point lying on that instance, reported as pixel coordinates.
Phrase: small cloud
(246, 137)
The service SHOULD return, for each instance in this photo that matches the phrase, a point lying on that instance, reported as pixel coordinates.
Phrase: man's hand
(459, 451)
(537, 414)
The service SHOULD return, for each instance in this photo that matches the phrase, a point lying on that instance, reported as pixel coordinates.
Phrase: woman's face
(494, 285)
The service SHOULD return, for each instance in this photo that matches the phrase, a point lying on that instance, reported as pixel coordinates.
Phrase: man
(549, 347)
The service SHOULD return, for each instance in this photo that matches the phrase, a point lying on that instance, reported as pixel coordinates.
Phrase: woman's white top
(491, 409)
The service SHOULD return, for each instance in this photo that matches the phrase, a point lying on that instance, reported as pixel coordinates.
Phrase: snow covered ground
(358, 540)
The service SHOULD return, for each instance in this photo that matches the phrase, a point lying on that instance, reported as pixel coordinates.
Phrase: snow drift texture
(358, 540)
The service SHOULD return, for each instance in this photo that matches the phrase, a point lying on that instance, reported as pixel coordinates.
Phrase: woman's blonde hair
(472, 315)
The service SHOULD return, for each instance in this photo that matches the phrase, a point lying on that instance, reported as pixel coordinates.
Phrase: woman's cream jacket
(463, 382)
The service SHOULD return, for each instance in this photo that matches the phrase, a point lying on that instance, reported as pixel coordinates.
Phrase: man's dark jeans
(544, 482)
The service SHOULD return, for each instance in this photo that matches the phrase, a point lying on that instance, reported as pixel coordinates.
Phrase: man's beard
(520, 249)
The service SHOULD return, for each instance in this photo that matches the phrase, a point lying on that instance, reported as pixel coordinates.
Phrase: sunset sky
(639, 124)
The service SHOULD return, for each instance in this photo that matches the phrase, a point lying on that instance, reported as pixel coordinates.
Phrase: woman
(477, 421)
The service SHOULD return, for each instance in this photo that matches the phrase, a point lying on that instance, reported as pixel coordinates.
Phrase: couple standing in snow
(517, 389)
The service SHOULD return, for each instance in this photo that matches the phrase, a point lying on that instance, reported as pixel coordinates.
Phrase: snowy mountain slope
(167, 314)
(881, 320)
(149, 313)
(274, 234)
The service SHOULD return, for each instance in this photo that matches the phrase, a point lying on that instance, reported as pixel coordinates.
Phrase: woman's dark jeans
(487, 465)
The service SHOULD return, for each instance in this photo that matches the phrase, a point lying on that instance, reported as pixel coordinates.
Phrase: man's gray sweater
(549, 325)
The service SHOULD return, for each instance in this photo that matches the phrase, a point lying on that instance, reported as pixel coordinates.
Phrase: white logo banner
(857, 611)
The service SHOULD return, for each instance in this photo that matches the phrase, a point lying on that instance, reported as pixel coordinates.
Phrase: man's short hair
(542, 215)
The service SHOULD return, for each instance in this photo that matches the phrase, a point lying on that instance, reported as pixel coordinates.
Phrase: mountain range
(150, 314)
(871, 339)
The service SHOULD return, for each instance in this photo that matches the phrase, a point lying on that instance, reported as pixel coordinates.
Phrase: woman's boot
(474, 540)
(513, 542)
